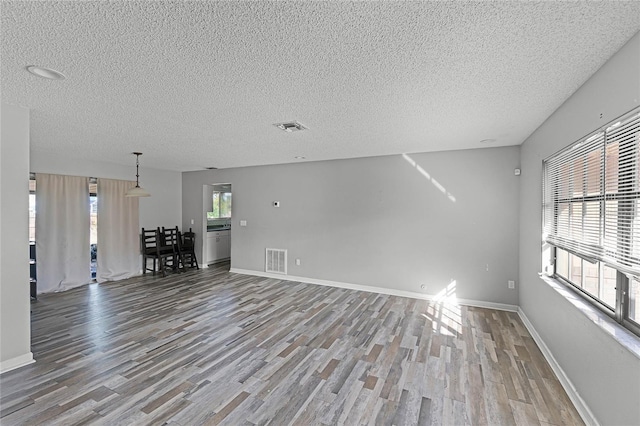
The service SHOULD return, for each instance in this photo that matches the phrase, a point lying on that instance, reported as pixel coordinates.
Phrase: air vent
(292, 126)
(276, 261)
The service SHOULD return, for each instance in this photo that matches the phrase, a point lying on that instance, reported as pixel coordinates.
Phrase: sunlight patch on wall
(424, 173)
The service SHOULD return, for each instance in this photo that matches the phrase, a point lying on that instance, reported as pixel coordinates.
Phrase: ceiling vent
(292, 126)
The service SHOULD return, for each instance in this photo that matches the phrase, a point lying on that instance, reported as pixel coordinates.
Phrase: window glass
(221, 206)
(32, 217)
(591, 282)
(634, 300)
(594, 172)
(576, 220)
(225, 204)
(608, 290)
(578, 178)
(575, 265)
(562, 263)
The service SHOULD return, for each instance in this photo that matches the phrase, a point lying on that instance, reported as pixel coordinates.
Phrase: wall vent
(276, 261)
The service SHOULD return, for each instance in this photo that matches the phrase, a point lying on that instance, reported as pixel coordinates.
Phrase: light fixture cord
(137, 175)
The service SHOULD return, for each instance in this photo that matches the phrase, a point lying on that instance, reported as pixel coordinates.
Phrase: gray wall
(15, 331)
(161, 209)
(395, 222)
(606, 375)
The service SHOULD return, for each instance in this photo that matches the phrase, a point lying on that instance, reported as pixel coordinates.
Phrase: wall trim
(17, 362)
(372, 289)
(581, 406)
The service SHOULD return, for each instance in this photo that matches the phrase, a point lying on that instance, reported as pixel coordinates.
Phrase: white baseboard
(371, 289)
(574, 396)
(17, 362)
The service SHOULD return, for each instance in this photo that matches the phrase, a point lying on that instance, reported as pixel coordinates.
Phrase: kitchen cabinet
(218, 246)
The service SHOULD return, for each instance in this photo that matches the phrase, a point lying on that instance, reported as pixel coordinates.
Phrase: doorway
(218, 211)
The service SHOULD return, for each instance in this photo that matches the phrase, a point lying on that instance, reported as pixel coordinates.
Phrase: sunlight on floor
(444, 311)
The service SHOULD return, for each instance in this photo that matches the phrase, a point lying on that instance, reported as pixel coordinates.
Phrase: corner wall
(445, 219)
(605, 375)
(15, 316)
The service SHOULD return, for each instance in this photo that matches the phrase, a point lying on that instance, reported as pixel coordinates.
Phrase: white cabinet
(218, 246)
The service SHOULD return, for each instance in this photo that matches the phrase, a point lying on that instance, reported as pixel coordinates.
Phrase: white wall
(163, 208)
(390, 222)
(605, 375)
(15, 327)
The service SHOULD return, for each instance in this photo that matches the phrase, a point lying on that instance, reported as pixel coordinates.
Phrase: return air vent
(292, 126)
(276, 261)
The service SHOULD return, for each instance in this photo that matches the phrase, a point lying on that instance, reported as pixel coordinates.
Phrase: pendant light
(137, 191)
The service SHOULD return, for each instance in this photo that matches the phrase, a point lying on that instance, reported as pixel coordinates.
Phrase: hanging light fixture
(137, 191)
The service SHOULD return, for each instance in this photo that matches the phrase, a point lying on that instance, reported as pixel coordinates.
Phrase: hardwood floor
(211, 347)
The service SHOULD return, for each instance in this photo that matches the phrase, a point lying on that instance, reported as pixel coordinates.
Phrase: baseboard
(17, 362)
(574, 396)
(371, 289)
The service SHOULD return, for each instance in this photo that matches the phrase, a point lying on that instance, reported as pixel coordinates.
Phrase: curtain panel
(62, 232)
(118, 231)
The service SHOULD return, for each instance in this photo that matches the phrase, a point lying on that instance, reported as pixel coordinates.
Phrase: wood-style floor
(212, 347)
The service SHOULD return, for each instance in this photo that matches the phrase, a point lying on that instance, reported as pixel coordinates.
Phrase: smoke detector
(292, 126)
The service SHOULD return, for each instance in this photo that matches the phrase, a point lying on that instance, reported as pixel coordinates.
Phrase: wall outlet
(192, 221)
(297, 262)
(511, 284)
(243, 223)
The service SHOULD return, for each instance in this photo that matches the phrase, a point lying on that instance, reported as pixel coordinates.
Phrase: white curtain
(62, 232)
(118, 232)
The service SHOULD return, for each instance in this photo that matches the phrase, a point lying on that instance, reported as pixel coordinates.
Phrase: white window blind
(592, 193)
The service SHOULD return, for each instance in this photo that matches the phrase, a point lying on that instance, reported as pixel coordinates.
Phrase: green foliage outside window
(221, 206)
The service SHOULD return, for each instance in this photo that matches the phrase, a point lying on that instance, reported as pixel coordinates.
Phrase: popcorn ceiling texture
(196, 84)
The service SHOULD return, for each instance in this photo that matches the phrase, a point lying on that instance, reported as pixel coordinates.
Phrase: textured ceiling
(199, 84)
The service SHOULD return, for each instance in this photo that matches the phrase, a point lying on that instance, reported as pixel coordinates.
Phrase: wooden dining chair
(187, 244)
(153, 247)
(171, 238)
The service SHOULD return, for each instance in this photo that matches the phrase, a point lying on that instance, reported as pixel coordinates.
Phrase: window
(32, 207)
(221, 205)
(591, 212)
(93, 220)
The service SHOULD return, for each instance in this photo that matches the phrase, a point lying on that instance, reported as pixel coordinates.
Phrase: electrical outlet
(511, 284)
(297, 262)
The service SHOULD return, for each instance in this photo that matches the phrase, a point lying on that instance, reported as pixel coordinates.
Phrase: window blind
(591, 194)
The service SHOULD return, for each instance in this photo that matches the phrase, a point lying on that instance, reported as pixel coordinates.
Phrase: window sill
(624, 337)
